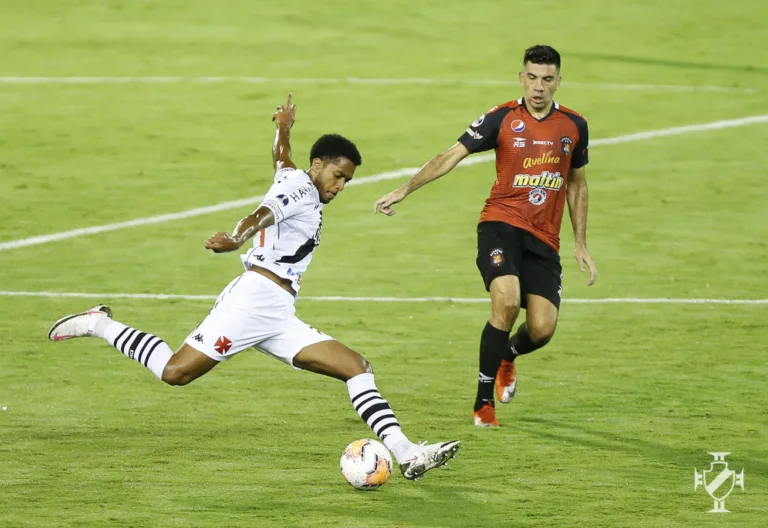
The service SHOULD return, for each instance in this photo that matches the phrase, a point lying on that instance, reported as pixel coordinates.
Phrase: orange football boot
(485, 417)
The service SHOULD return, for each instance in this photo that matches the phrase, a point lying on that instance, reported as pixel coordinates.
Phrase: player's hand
(385, 203)
(286, 114)
(222, 243)
(582, 258)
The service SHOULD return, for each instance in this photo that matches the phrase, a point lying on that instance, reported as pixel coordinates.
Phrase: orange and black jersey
(533, 160)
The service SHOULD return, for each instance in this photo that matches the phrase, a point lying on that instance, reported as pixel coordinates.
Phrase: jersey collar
(554, 107)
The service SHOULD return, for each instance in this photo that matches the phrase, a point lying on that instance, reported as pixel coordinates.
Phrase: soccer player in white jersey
(257, 309)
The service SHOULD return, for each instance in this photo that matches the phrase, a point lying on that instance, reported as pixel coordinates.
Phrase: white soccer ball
(366, 464)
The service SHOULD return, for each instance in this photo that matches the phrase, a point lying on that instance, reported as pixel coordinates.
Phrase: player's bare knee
(175, 376)
(361, 366)
(541, 333)
(367, 367)
(506, 310)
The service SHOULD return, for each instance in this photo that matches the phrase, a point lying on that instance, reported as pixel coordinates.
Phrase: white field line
(390, 175)
(358, 80)
(457, 300)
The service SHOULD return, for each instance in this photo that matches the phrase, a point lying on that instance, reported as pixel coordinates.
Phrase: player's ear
(317, 165)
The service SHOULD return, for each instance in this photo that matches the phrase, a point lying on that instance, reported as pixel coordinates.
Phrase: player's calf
(529, 339)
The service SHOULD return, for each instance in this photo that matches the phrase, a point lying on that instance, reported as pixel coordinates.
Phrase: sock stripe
(143, 347)
(378, 415)
(146, 358)
(363, 394)
(135, 344)
(124, 346)
(393, 424)
(392, 421)
(372, 409)
(372, 398)
(114, 343)
(373, 424)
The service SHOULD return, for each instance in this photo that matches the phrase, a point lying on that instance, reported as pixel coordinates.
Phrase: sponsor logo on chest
(544, 159)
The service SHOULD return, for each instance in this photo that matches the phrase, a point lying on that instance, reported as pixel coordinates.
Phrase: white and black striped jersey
(286, 247)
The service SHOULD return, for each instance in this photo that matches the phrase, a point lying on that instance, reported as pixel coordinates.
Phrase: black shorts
(503, 249)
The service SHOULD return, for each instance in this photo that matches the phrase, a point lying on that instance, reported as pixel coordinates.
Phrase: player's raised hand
(222, 243)
(582, 258)
(286, 114)
(385, 203)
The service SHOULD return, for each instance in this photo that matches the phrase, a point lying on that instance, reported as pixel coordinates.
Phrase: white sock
(146, 349)
(376, 412)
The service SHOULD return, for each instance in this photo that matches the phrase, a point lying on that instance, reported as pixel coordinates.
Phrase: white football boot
(428, 456)
(78, 325)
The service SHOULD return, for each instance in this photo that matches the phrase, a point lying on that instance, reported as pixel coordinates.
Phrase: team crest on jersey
(518, 126)
(566, 144)
(537, 196)
(497, 257)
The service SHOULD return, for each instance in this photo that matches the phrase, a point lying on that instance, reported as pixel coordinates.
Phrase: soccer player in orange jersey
(541, 154)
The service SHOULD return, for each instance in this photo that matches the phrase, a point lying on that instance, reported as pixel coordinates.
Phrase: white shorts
(253, 311)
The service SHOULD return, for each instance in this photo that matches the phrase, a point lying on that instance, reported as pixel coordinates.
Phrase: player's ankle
(403, 450)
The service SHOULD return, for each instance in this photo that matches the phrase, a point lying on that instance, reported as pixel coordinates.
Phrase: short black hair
(540, 54)
(332, 146)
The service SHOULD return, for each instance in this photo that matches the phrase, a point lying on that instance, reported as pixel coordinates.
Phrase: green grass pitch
(610, 419)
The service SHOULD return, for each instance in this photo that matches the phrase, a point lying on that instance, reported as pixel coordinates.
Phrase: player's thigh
(498, 251)
(249, 310)
(505, 299)
(541, 273)
(307, 348)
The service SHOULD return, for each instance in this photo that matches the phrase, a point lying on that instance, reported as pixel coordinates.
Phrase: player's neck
(313, 177)
(538, 114)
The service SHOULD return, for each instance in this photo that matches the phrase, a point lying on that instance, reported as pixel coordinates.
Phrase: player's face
(332, 176)
(540, 81)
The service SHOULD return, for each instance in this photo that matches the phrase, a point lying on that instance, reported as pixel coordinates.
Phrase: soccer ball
(366, 464)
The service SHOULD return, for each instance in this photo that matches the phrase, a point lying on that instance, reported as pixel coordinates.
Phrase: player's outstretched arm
(281, 148)
(438, 166)
(244, 230)
(577, 195)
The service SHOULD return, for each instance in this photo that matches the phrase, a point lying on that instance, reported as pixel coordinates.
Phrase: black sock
(493, 344)
(521, 343)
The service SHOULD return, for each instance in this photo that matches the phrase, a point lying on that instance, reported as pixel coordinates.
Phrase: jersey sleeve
(289, 196)
(483, 134)
(581, 151)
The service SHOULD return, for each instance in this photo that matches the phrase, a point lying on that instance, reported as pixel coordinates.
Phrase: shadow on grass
(605, 440)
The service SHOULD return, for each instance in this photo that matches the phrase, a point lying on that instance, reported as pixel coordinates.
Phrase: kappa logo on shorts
(497, 257)
(198, 338)
(223, 344)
